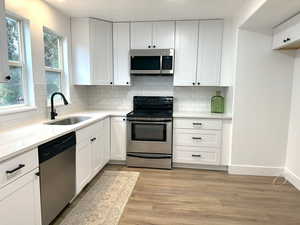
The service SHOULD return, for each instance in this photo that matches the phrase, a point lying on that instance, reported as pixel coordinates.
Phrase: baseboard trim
(255, 170)
(292, 178)
(117, 162)
(200, 167)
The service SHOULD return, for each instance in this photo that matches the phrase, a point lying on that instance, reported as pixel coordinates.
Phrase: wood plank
(200, 197)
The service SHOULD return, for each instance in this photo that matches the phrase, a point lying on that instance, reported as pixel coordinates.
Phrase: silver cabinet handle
(198, 156)
(197, 124)
(197, 138)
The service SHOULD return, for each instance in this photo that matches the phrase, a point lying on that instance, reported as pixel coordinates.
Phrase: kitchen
(137, 87)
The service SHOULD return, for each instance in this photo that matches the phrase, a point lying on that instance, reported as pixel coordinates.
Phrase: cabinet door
(141, 35)
(4, 72)
(97, 141)
(209, 52)
(101, 52)
(163, 35)
(81, 58)
(186, 46)
(121, 43)
(279, 39)
(20, 201)
(118, 138)
(106, 140)
(83, 164)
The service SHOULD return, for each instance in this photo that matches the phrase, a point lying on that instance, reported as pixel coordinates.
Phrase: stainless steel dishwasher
(57, 175)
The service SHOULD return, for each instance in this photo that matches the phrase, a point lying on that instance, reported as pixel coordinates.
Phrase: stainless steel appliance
(152, 61)
(57, 175)
(150, 132)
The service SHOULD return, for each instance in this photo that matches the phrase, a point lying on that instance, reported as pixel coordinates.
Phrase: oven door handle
(149, 156)
(150, 121)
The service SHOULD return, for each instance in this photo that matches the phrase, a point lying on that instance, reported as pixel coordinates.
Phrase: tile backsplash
(120, 97)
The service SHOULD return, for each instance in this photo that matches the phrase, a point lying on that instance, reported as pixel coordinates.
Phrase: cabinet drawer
(196, 155)
(16, 167)
(84, 134)
(200, 138)
(197, 124)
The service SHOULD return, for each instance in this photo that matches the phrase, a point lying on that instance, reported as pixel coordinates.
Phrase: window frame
(22, 63)
(61, 66)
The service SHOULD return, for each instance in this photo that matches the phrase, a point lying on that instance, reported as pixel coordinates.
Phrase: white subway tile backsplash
(185, 98)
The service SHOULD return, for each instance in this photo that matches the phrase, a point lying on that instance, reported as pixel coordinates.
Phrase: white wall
(41, 14)
(293, 149)
(261, 106)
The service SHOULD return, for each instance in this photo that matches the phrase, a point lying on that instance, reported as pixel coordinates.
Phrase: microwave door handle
(161, 62)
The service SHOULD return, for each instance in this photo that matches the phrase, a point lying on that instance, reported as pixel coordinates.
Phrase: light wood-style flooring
(199, 197)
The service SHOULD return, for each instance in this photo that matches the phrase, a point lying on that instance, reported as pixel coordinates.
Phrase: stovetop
(152, 107)
(151, 114)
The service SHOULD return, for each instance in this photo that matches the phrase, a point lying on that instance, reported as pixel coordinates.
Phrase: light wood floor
(198, 197)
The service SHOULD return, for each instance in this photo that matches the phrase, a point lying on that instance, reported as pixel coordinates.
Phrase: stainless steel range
(150, 132)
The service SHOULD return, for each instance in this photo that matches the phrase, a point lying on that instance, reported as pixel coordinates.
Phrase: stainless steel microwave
(152, 61)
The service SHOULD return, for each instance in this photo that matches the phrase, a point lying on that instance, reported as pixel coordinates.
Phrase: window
(13, 93)
(53, 62)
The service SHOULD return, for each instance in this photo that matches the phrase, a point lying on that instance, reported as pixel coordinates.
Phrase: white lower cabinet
(106, 140)
(92, 152)
(197, 141)
(20, 201)
(118, 138)
(83, 165)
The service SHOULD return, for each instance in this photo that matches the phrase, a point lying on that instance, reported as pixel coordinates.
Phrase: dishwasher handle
(55, 147)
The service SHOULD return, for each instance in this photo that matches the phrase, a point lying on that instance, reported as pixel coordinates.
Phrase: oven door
(149, 136)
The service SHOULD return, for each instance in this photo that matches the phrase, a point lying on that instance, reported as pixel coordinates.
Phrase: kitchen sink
(69, 120)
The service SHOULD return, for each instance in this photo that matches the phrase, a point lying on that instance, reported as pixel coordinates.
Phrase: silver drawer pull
(197, 138)
(198, 156)
(197, 124)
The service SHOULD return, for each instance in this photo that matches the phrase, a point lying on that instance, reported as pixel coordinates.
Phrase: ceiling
(135, 10)
(272, 13)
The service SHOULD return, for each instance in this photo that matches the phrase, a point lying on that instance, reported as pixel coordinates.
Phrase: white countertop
(22, 139)
(26, 138)
(202, 115)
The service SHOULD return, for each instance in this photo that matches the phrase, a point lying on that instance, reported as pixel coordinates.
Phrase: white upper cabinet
(209, 52)
(145, 35)
(121, 47)
(92, 52)
(186, 46)
(163, 35)
(287, 35)
(101, 48)
(198, 49)
(4, 71)
(141, 35)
